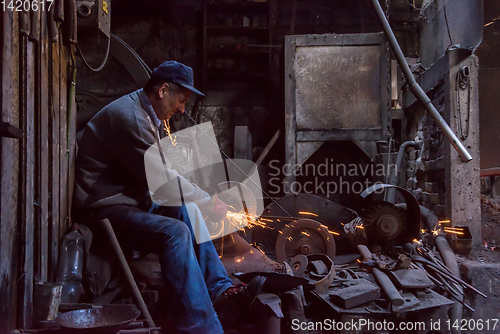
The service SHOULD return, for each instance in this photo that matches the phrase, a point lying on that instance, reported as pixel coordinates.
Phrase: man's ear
(163, 90)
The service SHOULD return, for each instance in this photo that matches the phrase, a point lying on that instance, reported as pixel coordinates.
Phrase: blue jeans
(192, 273)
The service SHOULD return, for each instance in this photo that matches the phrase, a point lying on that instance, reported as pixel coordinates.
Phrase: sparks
(305, 233)
(454, 232)
(308, 213)
(360, 226)
(241, 220)
(454, 228)
(173, 138)
(415, 240)
(444, 221)
(334, 233)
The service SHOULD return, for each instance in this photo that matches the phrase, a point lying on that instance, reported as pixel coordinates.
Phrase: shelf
(225, 38)
(235, 30)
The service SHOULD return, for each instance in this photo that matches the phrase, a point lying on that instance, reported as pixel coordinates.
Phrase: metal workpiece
(415, 88)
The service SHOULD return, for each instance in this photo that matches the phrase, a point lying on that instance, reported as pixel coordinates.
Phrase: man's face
(172, 100)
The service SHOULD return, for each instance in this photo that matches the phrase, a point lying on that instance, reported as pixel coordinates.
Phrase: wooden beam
(28, 218)
(54, 135)
(44, 150)
(9, 170)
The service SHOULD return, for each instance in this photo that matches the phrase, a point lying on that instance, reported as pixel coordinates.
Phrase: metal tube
(451, 262)
(416, 89)
(391, 192)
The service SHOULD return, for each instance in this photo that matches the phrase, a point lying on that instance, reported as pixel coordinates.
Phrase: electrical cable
(100, 67)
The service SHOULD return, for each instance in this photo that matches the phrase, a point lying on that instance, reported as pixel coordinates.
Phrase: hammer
(382, 279)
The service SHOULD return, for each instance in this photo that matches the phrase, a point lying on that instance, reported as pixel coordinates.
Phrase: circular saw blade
(304, 236)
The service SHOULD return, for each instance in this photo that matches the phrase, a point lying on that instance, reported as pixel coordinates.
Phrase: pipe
(430, 220)
(416, 89)
(451, 262)
(393, 179)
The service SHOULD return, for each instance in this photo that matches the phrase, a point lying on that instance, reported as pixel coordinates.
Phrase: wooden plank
(9, 170)
(29, 172)
(44, 150)
(55, 153)
(490, 172)
(63, 139)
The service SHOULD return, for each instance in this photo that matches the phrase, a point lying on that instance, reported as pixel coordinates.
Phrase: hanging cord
(462, 82)
(238, 167)
(97, 69)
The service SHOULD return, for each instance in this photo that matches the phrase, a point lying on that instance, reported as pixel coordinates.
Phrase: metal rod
(128, 274)
(242, 172)
(457, 280)
(416, 89)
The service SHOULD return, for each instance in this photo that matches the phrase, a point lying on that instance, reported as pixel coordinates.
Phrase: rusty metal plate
(338, 87)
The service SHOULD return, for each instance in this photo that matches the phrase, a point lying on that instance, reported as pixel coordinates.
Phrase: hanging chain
(462, 83)
(389, 78)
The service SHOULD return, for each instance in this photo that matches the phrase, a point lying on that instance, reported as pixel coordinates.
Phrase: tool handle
(365, 252)
(382, 279)
(388, 287)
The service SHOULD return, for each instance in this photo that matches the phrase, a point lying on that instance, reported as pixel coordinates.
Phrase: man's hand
(215, 208)
(219, 210)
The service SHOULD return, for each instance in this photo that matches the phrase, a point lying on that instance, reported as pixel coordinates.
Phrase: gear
(304, 236)
(384, 221)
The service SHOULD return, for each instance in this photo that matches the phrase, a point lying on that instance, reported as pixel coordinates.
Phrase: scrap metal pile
(384, 263)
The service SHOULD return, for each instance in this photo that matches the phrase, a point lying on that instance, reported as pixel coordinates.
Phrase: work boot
(237, 299)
